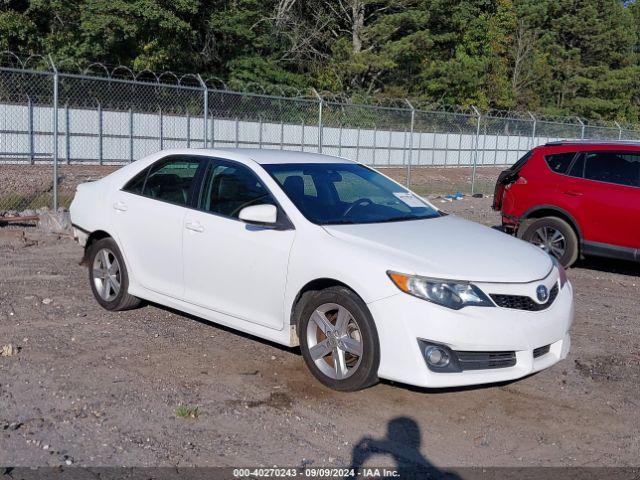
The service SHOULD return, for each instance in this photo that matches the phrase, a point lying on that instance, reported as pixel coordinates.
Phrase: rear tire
(554, 235)
(108, 276)
(339, 340)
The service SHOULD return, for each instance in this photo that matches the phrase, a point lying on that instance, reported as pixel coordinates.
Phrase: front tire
(339, 340)
(108, 276)
(555, 236)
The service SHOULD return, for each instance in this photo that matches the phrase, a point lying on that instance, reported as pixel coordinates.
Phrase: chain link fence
(59, 127)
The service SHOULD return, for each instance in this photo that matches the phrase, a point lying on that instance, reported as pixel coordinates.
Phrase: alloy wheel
(106, 274)
(334, 340)
(550, 240)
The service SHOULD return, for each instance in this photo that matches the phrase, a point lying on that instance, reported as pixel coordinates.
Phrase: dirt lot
(88, 387)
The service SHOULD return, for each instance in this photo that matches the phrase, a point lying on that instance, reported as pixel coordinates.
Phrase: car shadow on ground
(464, 388)
(609, 265)
(403, 444)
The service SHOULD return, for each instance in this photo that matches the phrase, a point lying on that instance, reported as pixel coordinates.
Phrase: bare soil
(89, 387)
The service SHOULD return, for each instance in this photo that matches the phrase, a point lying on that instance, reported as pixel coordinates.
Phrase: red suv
(575, 198)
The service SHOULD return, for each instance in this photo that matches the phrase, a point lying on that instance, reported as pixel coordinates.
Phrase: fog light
(436, 356)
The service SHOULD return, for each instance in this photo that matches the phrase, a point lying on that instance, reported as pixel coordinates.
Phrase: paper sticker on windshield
(409, 199)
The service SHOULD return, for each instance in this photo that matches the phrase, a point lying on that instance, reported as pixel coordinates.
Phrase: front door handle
(120, 206)
(194, 227)
(572, 193)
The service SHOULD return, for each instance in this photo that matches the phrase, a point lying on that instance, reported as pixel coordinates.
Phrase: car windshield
(347, 193)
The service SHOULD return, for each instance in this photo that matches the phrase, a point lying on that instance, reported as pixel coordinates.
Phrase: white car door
(148, 215)
(230, 266)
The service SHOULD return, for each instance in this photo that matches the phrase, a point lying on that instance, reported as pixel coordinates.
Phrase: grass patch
(187, 411)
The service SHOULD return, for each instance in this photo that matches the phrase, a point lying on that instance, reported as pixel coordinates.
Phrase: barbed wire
(38, 63)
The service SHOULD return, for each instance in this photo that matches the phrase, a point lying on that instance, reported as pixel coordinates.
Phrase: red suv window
(560, 162)
(621, 168)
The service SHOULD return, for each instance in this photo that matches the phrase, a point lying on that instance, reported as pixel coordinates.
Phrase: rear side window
(169, 180)
(577, 169)
(613, 167)
(136, 184)
(560, 162)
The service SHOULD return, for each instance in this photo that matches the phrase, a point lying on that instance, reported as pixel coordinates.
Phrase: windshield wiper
(402, 219)
(341, 222)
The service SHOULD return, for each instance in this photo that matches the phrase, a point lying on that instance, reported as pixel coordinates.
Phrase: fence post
(320, 126)
(619, 130)
(413, 118)
(475, 149)
(375, 144)
(188, 129)
(55, 133)
(205, 113)
(446, 148)
(161, 129)
(67, 124)
(281, 135)
(213, 131)
(30, 126)
(581, 127)
(260, 134)
(533, 130)
(100, 133)
(130, 135)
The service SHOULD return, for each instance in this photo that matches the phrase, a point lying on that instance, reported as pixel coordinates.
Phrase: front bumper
(402, 320)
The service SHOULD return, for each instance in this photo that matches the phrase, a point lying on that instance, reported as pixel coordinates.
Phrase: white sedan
(370, 280)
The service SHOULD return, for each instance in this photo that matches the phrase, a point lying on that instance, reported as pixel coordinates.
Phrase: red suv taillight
(508, 177)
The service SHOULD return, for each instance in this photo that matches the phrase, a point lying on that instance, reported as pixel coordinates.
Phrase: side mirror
(260, 214)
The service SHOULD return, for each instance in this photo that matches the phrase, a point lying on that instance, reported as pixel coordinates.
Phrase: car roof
(592, 143)
(268, 156)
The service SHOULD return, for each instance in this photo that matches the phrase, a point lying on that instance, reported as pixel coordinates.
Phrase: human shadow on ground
(402, 443)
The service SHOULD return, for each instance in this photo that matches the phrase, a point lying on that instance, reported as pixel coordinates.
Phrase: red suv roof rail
(593, 142)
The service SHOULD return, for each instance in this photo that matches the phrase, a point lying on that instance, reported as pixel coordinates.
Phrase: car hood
(449, 247)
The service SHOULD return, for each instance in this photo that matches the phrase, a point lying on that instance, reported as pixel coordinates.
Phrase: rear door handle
(120, 206)
(573, 193)
(194, 227)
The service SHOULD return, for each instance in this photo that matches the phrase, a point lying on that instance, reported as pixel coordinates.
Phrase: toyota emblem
(542, 293)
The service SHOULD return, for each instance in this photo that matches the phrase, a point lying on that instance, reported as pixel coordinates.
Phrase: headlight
(562, 273)
(448, 293)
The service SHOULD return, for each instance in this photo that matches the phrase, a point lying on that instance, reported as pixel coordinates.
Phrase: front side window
(613, 167)
(343, 193)
(229, 187)
(169, 180)
(560, 162)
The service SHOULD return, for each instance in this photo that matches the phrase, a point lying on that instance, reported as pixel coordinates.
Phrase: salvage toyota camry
(370, 280)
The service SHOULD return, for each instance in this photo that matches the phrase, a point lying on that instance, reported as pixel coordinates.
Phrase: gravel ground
(84, 386)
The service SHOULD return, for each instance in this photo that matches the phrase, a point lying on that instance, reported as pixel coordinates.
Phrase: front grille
(540, 351)
(521, 302)
(485, 360)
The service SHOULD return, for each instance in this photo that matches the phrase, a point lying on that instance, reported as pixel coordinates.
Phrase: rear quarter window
(136, 184)
(560, 162)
